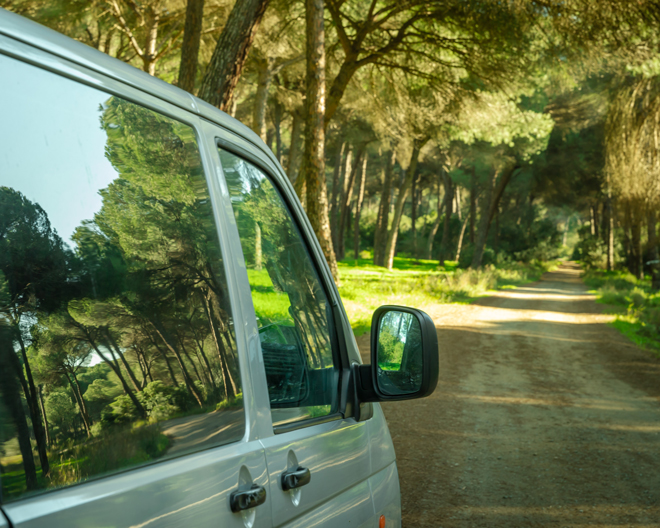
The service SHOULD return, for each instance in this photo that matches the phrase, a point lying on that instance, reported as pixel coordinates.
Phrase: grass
(422, 283)
(231, 403)
(412, 282)
(636, 306)
(118, 449)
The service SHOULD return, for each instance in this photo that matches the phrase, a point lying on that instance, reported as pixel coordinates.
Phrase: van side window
(293, 313)
(117, 343)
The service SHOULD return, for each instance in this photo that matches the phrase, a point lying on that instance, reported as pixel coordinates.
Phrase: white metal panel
(353, 508)
(253, 372)
(188, 491)
(386, 496)
(381, 448)
(337, 455)
(192, 490)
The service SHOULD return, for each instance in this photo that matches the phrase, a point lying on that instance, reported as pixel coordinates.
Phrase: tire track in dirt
(543, 416)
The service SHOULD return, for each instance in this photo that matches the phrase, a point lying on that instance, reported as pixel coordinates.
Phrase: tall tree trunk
(163, 354)
(495, 190)
(80, 404)
(636, 236)
(413, 214)
(277, 123)
(338, 198)
(231, 52)
(33, 405)
(314, 156)
(115, 368)
(654, 254)
(190, 360)
(192, 35)
(610, 233)
(151, 41)
(258, 250)
(457, 200)
(358, 208)
(295, 152)
(10, 392)
(346, 202)
(592, 220)
(382, 221)
(460, 239)
(473, 202)
(230, 388)
(172, 347)
(393, 233)
(435, 226)
(336, 181)
(449, 206)
(43, 413)
(264, 78)
(122, 358)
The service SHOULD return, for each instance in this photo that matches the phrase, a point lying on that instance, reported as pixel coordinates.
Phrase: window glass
(293, 312)
(117, 343)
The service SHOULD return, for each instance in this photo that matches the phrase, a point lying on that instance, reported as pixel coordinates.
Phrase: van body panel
(337, 456)
(354, 507)
(353, 470)
(189, 491)
(386, 495)
(252, 364)
(381, 449)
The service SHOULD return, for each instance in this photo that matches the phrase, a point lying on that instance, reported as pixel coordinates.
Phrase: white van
(173, 349)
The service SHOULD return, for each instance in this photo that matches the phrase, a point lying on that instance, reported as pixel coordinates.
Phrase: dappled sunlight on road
(544, 415)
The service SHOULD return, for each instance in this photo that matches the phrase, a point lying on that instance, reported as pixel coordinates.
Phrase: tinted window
(293, 312)
(116, 337)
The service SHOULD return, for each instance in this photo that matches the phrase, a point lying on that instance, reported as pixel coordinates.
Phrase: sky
(52, 144)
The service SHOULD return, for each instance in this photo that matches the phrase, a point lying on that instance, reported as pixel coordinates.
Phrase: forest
(453, 134)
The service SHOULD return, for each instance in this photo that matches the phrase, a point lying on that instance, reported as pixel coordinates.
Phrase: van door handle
(295, 478)
(245, 499)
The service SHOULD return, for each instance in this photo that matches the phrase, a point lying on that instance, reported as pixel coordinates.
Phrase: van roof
(50, 41)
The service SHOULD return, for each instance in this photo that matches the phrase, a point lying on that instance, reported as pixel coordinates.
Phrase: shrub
(118, 448)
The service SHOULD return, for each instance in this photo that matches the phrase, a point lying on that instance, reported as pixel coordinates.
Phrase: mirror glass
(399, 353)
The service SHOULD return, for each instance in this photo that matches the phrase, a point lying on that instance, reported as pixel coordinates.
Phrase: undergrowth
(422, 283)
(636, 306)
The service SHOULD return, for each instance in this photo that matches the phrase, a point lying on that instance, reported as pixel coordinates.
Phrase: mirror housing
(408, 344)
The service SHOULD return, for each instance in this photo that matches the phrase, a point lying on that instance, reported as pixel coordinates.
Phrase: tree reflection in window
(293, 312)
(112, 347)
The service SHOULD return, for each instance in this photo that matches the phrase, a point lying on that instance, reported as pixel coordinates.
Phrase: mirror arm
(364, 392)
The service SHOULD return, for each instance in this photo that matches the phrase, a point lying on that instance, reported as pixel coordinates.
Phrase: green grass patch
(231, 403)
(117, 449)
(422, 283)
(636, 306)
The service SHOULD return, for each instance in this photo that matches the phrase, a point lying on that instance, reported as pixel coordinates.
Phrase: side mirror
(404, 356)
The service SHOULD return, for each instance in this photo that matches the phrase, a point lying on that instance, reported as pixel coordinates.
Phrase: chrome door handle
(241, 500)
(295, 478)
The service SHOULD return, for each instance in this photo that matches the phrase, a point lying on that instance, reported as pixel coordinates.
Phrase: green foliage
(636, 305)
(160, 400)
(62, 413)
(390, 350)
(420, 283)
(121, 448)
(232, 403)
(590, 250)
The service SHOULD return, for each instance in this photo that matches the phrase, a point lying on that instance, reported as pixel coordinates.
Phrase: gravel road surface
(543, 416)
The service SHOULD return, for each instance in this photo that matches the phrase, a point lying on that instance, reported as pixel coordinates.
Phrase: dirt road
(543, 416)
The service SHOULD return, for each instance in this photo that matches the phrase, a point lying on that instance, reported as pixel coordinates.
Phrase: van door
(125, 394)
(318, 461)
